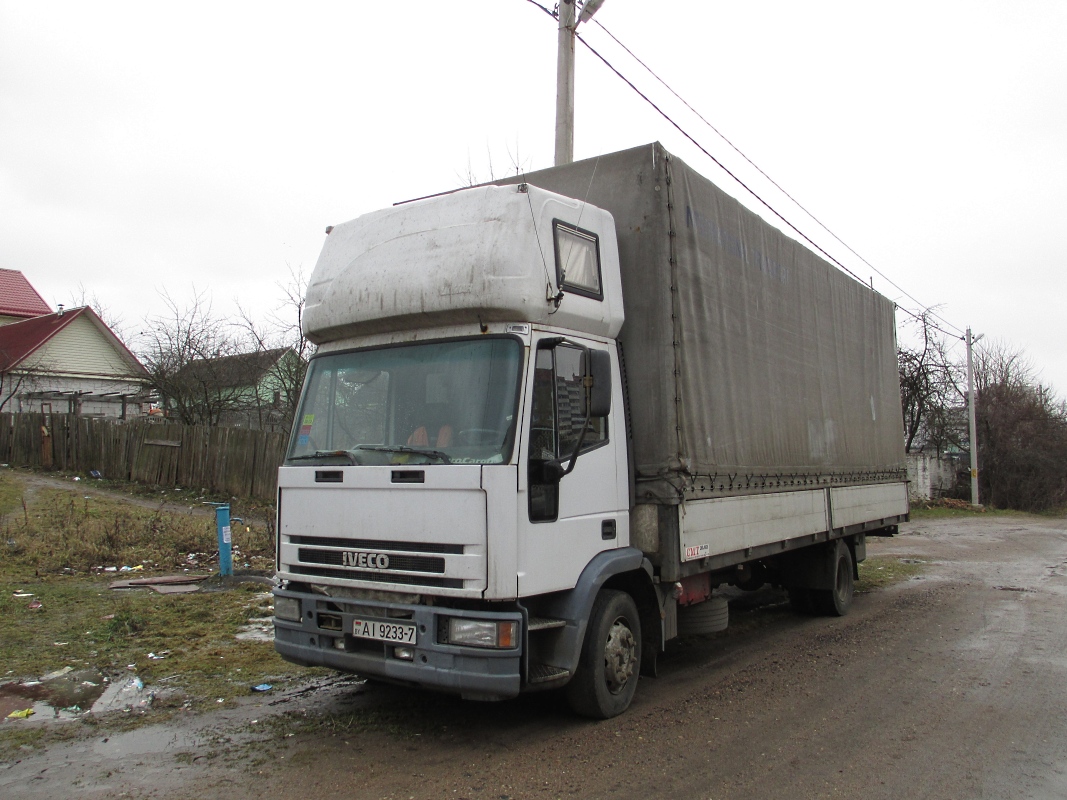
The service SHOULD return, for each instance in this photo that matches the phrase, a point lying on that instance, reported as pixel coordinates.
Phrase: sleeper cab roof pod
(477, 256)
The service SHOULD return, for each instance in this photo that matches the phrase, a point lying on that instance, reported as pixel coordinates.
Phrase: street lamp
(565, 76)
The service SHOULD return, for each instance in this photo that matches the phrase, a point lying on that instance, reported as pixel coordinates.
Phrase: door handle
(607, 529)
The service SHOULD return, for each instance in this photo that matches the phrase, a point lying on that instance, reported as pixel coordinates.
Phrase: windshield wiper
(327, 454)
(401, 448)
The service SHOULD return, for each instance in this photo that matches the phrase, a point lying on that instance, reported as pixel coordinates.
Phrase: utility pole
(565, 84)
(972, 418)
(565, 75)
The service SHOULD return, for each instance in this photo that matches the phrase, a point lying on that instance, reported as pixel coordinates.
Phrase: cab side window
(556, 422)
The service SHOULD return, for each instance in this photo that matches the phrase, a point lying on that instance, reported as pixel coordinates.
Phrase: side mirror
(599, 370)
(552, 472)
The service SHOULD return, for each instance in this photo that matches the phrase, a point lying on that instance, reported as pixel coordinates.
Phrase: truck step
(543, 673)
(544, 623)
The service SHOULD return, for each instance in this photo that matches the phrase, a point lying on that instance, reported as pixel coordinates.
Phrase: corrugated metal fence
(234, 461)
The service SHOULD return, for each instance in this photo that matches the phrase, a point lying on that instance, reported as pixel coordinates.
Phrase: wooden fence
(233, 461)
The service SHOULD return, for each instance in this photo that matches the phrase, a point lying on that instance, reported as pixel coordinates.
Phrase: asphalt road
(949, 685)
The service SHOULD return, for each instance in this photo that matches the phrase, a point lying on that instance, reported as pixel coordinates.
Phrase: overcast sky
(149, 147)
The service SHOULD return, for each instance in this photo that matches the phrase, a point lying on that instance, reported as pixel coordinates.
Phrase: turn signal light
(482, 633)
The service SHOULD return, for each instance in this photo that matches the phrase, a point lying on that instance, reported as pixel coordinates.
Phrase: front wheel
(606, 678)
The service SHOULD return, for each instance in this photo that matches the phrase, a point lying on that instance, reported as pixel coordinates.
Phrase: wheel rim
(620, 655)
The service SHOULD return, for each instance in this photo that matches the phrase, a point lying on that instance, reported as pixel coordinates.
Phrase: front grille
(377, 577)
(359, 610)
(379, 544)
(406, 563)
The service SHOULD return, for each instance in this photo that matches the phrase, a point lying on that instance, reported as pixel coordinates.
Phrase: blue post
(222, 523)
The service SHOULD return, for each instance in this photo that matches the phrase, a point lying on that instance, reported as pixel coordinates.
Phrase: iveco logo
(354, 558)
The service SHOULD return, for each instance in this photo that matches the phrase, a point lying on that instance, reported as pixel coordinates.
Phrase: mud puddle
(68, 694)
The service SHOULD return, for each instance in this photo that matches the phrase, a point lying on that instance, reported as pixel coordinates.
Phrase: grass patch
(943, 512)
(950, 507)
(52, 543)
(66, 531)
(82, 623)
(247, 508)
(878, 572)
(10, 493)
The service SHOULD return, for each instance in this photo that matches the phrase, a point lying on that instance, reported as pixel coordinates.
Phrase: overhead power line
(927, 311)
(718, 163)
(922, 318)
(772, 181)
(543, 8)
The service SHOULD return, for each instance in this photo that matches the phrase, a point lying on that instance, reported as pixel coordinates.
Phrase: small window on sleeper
(577, 260)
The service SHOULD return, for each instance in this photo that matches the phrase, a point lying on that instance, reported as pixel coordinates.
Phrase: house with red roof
(19, 300)
(66, 362)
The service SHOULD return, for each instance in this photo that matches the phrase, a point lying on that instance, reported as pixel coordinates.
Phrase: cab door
(565, 521)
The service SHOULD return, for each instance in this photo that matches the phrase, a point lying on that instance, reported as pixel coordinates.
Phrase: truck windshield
(434, 403)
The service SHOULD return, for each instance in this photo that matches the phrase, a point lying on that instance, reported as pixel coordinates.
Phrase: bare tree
(1022, 433)
(931, 395)
(1022, 426)
(468, 177)
(116, 323)
(11, 380)
(520, 165)
(22, 376)
(282, 333)
(186, 354)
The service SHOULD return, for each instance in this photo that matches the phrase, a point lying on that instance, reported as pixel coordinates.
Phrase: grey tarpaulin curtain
(748, 356)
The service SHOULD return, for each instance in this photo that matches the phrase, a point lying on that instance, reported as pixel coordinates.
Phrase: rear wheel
(837, 601)
(606, 678)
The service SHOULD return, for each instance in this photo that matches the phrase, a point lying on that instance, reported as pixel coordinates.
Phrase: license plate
(402, 632)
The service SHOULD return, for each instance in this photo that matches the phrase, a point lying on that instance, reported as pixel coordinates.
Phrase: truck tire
(711, 616)
(837, 601)
(608, 669)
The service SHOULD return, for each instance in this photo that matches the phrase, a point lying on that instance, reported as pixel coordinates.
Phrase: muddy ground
(949, 685)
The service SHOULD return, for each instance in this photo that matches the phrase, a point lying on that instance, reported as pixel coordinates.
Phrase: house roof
(20, 340)
(243, 369)
(18, 298)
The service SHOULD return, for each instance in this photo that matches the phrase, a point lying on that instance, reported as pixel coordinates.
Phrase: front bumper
(323, 638)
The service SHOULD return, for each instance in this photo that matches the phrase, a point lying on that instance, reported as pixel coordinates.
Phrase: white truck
(548, 419)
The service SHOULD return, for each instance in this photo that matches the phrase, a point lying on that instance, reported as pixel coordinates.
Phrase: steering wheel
(479, 436)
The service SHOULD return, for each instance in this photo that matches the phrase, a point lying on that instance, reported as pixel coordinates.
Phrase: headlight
(287, 608)
(481, 633)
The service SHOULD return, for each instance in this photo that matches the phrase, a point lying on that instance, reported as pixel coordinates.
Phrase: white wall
(28, 398)
(929, 476)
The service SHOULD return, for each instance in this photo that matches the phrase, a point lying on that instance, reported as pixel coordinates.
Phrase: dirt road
(951, 685)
